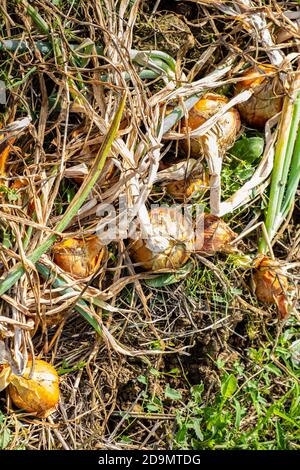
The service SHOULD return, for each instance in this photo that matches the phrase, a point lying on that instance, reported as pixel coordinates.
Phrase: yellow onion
(191, 187)
(170, 245)
(40, 393)
(79, 256)
(271, 284)
(213, 235)
(226, 128)
(267, 98)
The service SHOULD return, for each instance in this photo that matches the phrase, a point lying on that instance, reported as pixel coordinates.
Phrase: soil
(163, 32)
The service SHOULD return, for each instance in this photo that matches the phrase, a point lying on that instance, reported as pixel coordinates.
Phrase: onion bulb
(5, 376)
(213, 235)
(38, 394)
(194, 185)
(267, 98)
(79, 256)
(271, 284)
(226, 128)
(171, 241)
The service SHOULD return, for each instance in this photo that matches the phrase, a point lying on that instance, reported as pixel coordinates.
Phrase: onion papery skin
(271, 285)
(79, 256)
(39, 394)
(226, 129)
(213, 235)
(170, 228)
(267, 98)
(193, 187)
